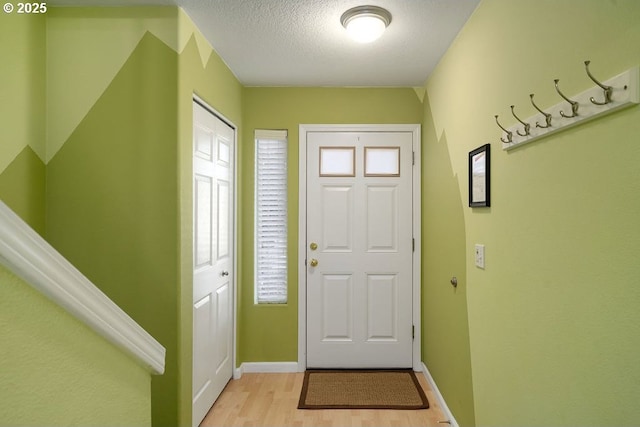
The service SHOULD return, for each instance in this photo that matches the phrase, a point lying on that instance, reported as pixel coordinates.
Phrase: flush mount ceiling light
(365, 24)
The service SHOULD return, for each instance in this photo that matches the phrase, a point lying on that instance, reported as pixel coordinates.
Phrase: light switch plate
(480, 256)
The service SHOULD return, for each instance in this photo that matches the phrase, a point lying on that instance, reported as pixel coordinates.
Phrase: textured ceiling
(301, 42)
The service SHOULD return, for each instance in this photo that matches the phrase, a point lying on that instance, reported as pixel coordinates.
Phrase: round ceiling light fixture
(365, 24)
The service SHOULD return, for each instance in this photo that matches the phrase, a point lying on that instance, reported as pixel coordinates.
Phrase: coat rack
(604, 98)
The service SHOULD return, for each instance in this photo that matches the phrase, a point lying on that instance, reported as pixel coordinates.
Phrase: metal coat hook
(574, 104)
(599, 98)
(547, 116)
(607, 89)
(527, 126)
(509, 134)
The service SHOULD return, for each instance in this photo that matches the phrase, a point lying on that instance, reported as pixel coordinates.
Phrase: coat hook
(607, 89)
(547, 116)
(509, 134)
(574, 104)
(527, 126)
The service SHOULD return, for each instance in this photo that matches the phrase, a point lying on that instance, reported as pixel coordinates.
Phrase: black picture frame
(480, 177)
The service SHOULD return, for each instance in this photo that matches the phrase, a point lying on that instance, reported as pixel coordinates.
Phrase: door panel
(382, 307)
(224, 230)
(382, 218)
(222, 351)
(203, 222)
(213, 260)
(201, 345)
(337, 218)
(337, 307)
(359, 213)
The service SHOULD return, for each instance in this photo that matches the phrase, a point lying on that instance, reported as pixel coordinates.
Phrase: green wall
(57, 371)
(547, 333)
(22, 116)
(96, 156)
(112, 201)
(553, 324)
(119, 202)
(201, 72)
(445, 325)
(269, 333)
(22, 188)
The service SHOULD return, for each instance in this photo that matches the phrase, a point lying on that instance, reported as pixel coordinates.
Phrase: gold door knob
(314, 262)
(313, 246)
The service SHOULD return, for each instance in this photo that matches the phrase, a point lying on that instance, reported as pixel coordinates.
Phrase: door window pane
(382, 161)
(337, 161)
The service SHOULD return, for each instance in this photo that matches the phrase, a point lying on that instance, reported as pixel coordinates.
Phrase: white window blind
(271, 217)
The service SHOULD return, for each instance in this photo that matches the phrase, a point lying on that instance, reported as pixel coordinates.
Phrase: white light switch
(480, 256)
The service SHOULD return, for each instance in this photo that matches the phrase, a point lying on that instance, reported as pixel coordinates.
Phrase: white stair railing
(25, 253)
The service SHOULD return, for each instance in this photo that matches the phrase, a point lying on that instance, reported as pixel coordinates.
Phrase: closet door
(213, 281)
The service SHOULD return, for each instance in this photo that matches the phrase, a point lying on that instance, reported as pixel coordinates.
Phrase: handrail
(25, 253)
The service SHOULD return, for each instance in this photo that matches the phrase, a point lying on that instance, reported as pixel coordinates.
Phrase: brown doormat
(362, 389)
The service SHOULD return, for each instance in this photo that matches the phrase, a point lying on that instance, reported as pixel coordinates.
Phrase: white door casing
(361, 300)
(213, 257)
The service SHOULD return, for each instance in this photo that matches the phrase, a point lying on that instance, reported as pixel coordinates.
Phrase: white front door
(359, 250)
(213, 281)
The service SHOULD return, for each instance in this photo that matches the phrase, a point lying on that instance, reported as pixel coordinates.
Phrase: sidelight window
(271, 217)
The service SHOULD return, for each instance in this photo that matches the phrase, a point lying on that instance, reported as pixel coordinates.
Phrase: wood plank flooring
(272, 400)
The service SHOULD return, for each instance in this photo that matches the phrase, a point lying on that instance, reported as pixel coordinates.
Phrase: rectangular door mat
(362, 389)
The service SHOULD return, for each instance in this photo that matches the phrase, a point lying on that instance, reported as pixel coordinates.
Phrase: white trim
(237, 373)
(302, 247)
(215, 112)
(235, 245)
(31, 258)
(302, 228)
(439, 397)
(270, 134)
(417, 252)
(266, 367)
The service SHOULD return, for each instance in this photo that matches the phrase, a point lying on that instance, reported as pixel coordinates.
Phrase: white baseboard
(265, 367)
(443, 405)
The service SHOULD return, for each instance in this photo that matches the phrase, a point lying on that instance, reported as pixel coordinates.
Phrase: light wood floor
(272, 400)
